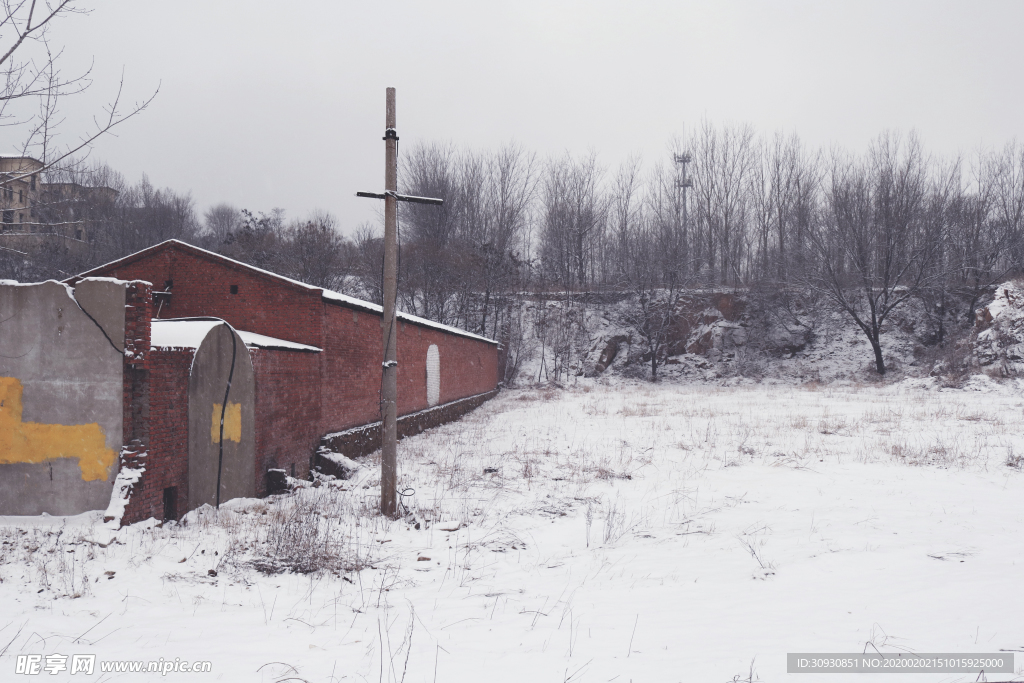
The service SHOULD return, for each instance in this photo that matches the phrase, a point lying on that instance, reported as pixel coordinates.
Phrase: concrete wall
(61, 395)
(221, 364)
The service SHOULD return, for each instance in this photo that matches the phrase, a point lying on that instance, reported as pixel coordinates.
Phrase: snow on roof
(326, 294)
(180, 334)
(261, 341)
(346, 300)
(23, 169)
(115, 280)
(189, 334)
(338, 297)
(416, 320)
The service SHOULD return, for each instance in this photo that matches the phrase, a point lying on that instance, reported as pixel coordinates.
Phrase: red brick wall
(287, 411)
(350, 388)
(135, 398)
(138, 312)
(468, 366)
(202, 286)
(352, 367)
(166, 461)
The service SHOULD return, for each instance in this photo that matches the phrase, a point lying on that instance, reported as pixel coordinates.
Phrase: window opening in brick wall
(433, 375)
(171, 502)
(293, 470)
(234, 289)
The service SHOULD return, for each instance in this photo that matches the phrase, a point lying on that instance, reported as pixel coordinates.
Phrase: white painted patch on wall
(433, 375)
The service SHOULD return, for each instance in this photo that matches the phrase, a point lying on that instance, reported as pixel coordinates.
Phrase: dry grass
(58, 561)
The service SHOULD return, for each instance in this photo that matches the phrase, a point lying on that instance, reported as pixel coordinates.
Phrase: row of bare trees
(869, 231)
(762, 210)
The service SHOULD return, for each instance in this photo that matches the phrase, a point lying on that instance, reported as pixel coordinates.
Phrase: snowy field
(597, 533)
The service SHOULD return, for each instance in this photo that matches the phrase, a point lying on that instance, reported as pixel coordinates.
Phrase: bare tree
(317, 253)
(778, 180)
(432, 259)
(220, 221)
(258, 240)
(35, 85)
(722, 161)
(369, 261)
(508, 194)
(572, 220)
(872, 249)
(652, 265)
(1007, 173)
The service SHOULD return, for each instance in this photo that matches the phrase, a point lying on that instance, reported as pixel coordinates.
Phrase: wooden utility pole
(388, 323)
(389, 388)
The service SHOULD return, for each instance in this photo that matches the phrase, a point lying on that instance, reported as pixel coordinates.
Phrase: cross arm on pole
(402, 197)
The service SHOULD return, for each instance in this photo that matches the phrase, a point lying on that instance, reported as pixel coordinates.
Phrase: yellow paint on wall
(232, 423)
(34, 442)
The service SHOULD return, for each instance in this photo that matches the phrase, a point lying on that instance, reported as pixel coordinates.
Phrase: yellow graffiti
(232, 423)
(34, 442)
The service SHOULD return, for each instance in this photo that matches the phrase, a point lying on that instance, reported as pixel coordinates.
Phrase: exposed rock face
(728, 305)
(717, 328)
(1000, 325)
(787, 339)
(607, 357)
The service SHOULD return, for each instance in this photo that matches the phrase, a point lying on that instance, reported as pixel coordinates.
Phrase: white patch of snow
(261, 341)
(127, 478)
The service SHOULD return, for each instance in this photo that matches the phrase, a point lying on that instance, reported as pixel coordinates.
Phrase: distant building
(20, 185)
(34, 213)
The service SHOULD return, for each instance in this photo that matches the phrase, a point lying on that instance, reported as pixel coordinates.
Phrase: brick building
(226, 362)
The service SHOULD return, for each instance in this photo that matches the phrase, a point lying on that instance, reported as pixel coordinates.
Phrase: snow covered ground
(634, 532)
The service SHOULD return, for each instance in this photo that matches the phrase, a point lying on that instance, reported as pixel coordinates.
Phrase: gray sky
(266, 104)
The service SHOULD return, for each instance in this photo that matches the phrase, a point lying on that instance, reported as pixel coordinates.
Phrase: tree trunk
(487, 302)
(877, 348)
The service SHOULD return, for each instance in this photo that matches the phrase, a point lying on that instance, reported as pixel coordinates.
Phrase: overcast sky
(272, 104)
